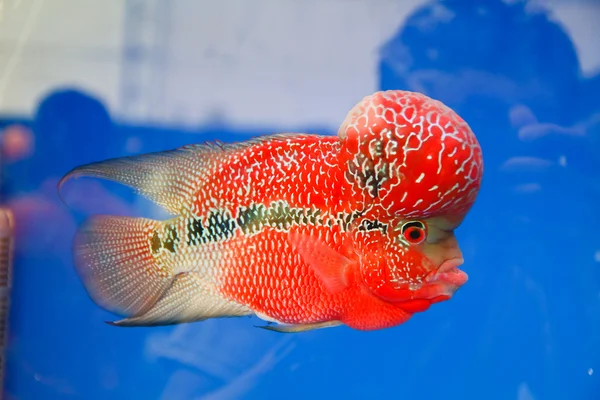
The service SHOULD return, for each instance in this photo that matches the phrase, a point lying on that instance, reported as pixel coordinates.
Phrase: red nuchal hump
(413, 154)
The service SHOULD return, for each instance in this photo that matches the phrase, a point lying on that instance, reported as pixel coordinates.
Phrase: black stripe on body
(167, 239)
(220, 225)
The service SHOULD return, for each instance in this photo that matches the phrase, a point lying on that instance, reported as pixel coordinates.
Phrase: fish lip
(449, 274)
(451, 264)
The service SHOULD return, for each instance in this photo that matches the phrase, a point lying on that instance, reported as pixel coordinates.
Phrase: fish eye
(414, 232)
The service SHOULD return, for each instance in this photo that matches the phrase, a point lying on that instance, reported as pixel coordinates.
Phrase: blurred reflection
(216, 363)
(17, 143)
(69, 128)
(513, 74)
(6, 267)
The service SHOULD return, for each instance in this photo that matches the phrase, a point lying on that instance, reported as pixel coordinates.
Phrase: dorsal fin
(169, 178)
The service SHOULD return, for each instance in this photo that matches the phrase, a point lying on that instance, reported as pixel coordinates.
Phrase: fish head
(409, 154)
(414, 265)
(415, 165)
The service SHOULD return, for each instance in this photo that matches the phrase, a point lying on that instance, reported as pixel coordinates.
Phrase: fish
(304, 231)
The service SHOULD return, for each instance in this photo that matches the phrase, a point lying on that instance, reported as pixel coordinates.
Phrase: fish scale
(280, 296)
(289, 291)
(263, 173)
(305, 231)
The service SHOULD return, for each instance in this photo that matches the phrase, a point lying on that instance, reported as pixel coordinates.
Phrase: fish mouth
(438, 286)
(446, 280)
(448, 273)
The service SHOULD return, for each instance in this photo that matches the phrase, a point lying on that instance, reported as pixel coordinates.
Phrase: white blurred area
(184, 63)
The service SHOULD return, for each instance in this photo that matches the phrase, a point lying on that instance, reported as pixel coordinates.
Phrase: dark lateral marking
(279, 215)
(346, 220)
(155, 242)
(370, 174)
(372, 225)
(220, 226)
(195, 231)
(255, 217)
(252, 219)
(171, 238)
(167, 241)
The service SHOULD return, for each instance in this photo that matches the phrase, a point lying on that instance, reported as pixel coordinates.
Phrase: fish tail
(122, 264)
(129, 266)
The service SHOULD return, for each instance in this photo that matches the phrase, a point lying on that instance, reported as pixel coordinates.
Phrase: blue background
(526, 326)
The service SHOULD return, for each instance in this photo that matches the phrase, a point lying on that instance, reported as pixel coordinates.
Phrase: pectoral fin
(329, 265)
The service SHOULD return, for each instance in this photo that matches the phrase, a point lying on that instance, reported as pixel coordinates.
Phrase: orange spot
(17, 142)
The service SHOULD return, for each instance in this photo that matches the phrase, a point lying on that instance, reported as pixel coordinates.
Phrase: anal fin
(189, 299)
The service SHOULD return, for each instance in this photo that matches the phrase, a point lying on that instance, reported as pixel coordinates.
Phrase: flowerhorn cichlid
(304, 231)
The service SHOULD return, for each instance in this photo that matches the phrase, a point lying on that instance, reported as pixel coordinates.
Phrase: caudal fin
(121, 264)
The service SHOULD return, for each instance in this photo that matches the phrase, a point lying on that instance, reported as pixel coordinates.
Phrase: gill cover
(390, 268)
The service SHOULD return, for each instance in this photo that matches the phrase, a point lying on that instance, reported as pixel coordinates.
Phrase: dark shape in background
(513, 74)
(73, 122)
(481, 56)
